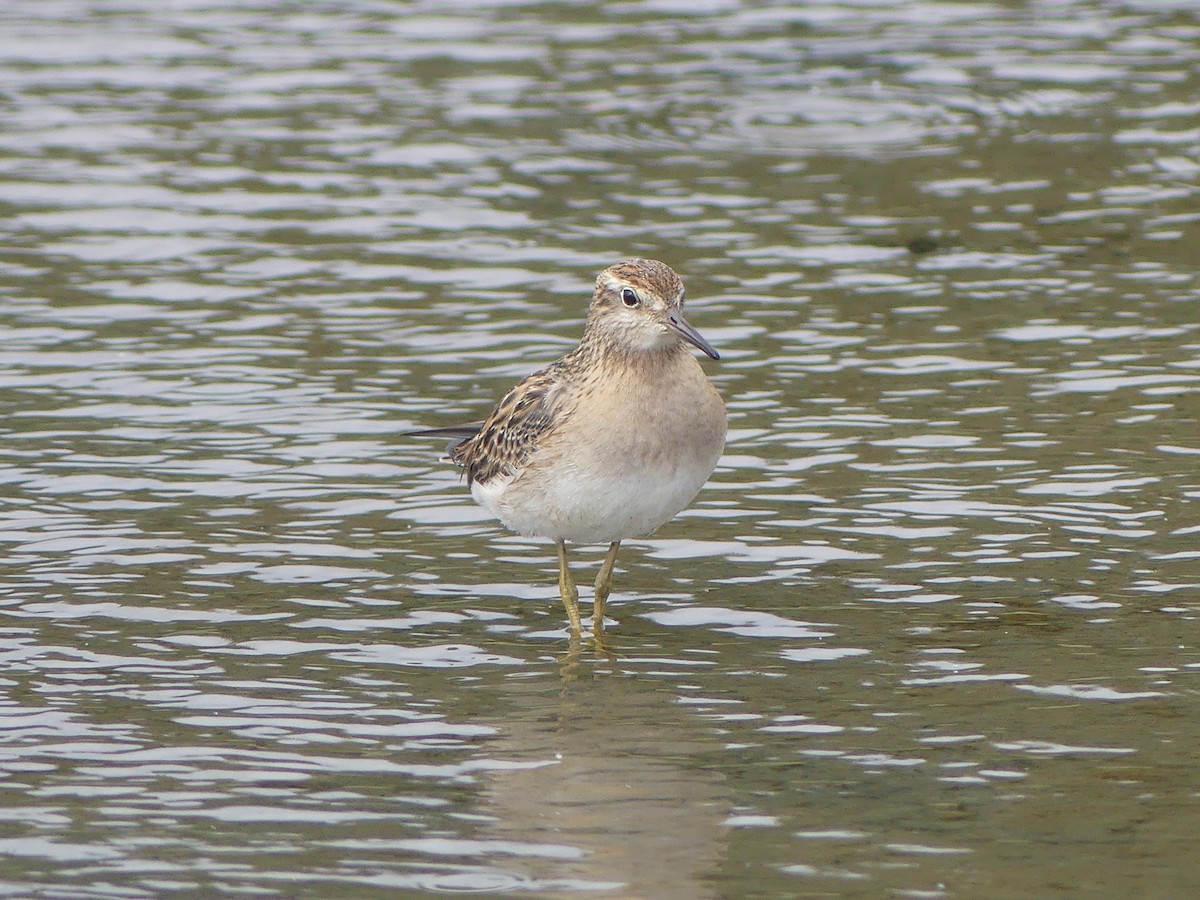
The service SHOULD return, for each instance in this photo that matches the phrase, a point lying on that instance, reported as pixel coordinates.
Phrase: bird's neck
(601, 350)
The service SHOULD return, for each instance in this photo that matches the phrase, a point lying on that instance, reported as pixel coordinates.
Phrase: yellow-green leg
(566, 587)
(603, 587)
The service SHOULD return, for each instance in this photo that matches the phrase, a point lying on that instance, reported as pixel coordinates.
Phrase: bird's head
(638, 307)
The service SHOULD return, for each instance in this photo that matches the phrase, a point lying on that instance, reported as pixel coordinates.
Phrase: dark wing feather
(508, 436)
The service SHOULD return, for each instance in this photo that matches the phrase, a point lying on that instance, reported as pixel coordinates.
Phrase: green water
(929, 632)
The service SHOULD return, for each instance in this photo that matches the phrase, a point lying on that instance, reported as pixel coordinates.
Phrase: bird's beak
(682, 328)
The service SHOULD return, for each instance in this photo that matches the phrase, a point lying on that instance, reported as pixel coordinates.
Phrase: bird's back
(502, 445)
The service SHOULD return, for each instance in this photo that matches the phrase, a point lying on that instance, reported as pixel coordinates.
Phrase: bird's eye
(629, 297)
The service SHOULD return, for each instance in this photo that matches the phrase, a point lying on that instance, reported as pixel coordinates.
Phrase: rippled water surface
(930, 631)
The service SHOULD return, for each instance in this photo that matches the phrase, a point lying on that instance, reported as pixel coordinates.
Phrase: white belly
(593, 507)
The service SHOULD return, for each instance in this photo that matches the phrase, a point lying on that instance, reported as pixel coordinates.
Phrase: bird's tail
(458, 434)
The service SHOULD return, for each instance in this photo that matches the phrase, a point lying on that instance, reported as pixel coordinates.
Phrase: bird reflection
(621, 786)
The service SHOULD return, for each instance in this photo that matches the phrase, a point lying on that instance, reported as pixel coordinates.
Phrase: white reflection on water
(1088, 692)
(743, 622)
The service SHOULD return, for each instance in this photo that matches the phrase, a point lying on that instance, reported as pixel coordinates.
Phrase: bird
(607, 443)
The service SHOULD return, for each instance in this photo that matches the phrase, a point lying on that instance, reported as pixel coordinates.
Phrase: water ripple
(947, 562)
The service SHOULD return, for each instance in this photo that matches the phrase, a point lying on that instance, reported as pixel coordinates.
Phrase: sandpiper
(610, 441)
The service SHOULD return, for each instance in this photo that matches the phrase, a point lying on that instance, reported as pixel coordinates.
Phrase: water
(929, 632)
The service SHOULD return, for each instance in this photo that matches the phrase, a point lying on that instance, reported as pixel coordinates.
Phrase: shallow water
(931, 629)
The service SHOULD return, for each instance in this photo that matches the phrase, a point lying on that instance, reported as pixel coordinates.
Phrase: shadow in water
(619, 785)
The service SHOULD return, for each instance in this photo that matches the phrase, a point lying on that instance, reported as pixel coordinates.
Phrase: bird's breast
(672, 419)
(628, 455)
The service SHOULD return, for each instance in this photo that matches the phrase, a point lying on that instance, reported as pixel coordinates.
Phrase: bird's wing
(507, 437)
